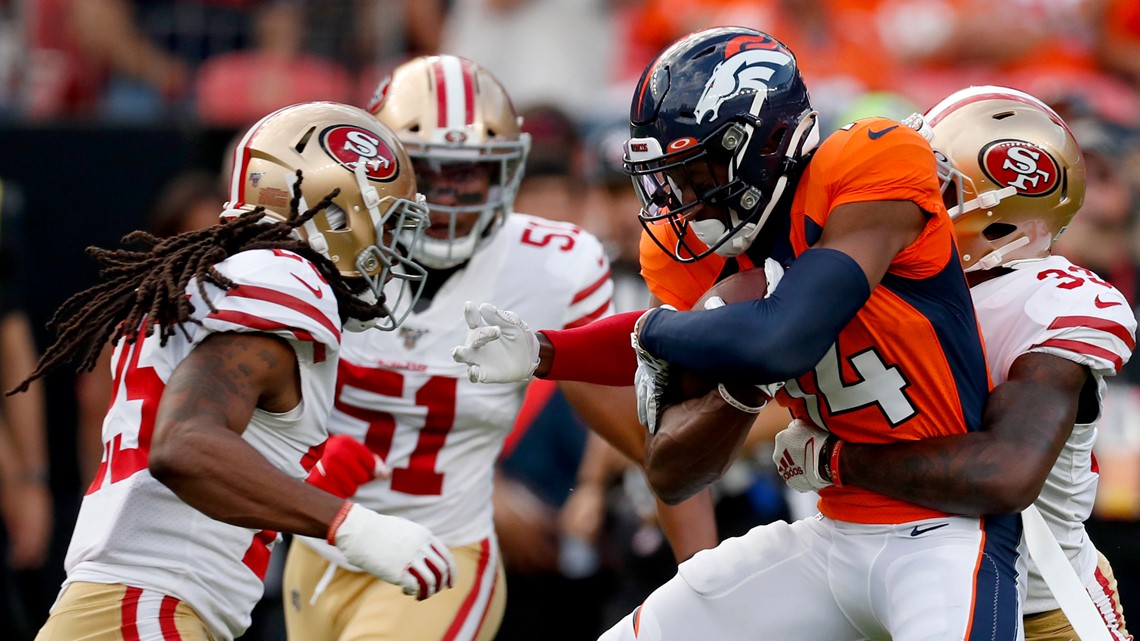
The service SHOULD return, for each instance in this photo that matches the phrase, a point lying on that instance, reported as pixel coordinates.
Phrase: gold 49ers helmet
(460, 128)
(341, 147)
(1013, 173)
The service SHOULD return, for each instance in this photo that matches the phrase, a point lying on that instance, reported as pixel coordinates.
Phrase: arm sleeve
(768, 340)
(599, 352)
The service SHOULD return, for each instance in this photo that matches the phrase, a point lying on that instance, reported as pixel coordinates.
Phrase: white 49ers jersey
(132, 529)
(403, 395)
(1053, 306)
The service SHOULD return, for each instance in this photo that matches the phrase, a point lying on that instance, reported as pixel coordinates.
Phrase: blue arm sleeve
(768, 340)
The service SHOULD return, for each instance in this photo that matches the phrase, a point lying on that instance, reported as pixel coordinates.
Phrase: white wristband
(737, 404)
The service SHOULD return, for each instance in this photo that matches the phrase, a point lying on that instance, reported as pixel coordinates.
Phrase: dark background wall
(81, 186)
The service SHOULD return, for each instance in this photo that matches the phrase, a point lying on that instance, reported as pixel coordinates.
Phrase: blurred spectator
(837, 42)
(543, 51)
(552, 185)
(149, 49)
(613, 206)
(1118, 47)
(1098, 237)
(238, 88)
(25, 496)
(1046, 47)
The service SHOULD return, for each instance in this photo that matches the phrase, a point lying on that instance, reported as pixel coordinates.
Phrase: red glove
(345, 465)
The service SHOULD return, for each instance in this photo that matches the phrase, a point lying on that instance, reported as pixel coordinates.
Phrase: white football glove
(650, 379)
(500, 348)
(773, 273)
(394, 549)
(799, 447)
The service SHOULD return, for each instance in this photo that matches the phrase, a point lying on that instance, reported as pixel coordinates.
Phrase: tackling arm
(789, 331)
(999, 470)
(198, 451)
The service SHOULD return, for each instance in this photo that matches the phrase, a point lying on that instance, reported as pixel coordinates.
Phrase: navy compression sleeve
(768, 340)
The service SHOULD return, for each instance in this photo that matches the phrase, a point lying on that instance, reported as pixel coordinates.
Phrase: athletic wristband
(728, 398)
(341, 515)
(833, 464)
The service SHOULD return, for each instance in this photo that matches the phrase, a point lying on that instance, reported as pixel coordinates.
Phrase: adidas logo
(788, 468)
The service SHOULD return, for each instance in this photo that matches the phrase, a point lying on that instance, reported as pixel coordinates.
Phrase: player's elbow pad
(769, 340)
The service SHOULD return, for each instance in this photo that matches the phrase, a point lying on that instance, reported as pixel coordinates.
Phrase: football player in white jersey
(1053, 331)
(403, 395)
(224, 370)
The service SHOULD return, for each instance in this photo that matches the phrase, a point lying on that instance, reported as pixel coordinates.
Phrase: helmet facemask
(735, 95)
(477, 181)
(672, 185)
(455, 117)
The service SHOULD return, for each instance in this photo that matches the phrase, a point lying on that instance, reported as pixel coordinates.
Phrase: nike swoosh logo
(930, 528)
(875, 135)
(316, 290)
(1104, 304)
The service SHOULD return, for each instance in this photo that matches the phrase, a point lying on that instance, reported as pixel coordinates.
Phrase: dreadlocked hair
(145, 289)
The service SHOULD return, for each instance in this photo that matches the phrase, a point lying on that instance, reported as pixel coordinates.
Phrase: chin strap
(315, 238)
(997, 256)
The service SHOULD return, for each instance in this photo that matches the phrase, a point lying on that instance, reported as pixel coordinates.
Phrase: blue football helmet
(720, 118)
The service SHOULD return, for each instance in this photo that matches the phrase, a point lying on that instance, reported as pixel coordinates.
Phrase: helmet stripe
(974, 94)
(449, 83)
(241, 162)
(440, 94)
(468, 91)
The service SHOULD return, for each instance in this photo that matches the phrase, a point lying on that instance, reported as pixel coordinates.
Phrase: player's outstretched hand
(799, 449)
(345, 465)
(500, 348)
(394, 549)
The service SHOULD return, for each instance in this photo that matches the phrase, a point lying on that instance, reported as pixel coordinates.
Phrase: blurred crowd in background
(116, 114)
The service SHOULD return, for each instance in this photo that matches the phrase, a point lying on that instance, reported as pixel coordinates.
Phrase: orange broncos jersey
(910, 365)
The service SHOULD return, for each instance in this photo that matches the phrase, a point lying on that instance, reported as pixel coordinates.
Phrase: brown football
(741, 286)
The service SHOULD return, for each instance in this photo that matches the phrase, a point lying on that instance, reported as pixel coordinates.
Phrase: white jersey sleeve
(1054, 307)
(277, 292)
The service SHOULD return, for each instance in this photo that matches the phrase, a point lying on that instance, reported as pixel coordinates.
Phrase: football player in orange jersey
(227, 340)
(869, 334)
(1015, 177)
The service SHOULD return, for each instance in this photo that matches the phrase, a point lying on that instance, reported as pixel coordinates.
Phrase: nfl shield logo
(410, 336)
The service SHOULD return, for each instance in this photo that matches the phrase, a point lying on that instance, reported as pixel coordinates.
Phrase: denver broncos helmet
(1015, 175)
(341, 147)
(453, 116)
(720, 118)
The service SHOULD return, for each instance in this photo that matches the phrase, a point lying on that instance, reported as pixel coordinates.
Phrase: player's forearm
(690, 526)
(997, 471)
(769, 340)
(222, 476)
(599, 352)
(696, 441)
(24, 412)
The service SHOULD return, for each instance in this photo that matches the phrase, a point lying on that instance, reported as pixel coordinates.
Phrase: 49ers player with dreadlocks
(227, 343)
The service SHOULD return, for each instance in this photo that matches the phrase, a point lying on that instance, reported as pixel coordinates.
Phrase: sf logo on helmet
(746, 70)
(1021, 165)
(350, 145)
